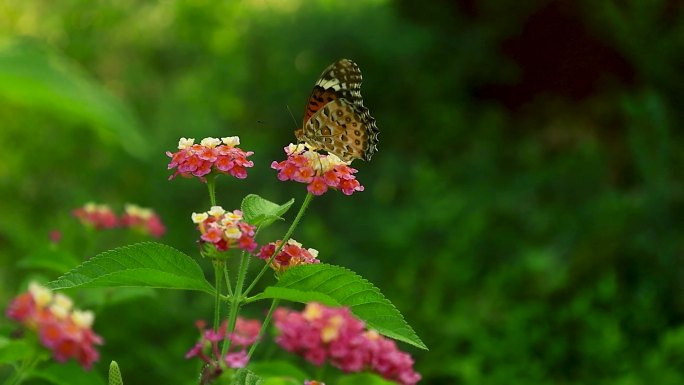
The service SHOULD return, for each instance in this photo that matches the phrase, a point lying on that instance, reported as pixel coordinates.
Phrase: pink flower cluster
(207, 349)
(143, 219)
(65, 331)
(312, 382)
(97, 216)
(100, 216)
(292, 254)
(320, 333)
(319, 172)
(225, 229)
(212, 154)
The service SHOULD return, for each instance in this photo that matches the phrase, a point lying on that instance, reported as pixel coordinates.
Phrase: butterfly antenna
(292, 116)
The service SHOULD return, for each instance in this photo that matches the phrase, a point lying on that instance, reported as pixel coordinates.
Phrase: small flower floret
(184, 143)
(221, 156)
(199, 217)
(210, 142)
(65, 331)
(319, 172)
(231, 141)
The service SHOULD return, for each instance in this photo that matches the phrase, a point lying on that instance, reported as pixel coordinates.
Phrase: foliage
(115, 374)
(140, 265)
(337, 286)
(528, 236)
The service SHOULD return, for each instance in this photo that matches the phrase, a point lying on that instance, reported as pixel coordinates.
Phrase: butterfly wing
(335, 130)
(343, 129)
(341, 80)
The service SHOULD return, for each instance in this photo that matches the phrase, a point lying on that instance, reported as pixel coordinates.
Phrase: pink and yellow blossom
(291, 254)
(207, 349)
(221, 156)
(319, 172)
(143, 219)
(65, 331)
(98, 216)
(320, 334)
(225, 230)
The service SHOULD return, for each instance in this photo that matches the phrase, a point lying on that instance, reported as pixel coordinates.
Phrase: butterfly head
(299, 134)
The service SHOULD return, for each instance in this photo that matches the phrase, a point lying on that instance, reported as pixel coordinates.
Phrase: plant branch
(286, 238)
(267, 320)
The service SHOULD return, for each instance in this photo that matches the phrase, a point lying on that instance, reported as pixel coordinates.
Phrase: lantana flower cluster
(212, 154)
(291, 254)
(98, 216)
(225, 229)
(207, 348)
(142, 219)
(102, 216)
(321, 333)
(66, 331)
(319, 172)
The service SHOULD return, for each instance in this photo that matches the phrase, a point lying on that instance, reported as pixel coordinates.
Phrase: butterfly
(335, 119)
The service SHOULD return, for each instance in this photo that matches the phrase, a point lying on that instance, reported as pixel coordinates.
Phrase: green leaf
(13, 350)
(145, 264)
(281, 381)
(365, 379)
(337, 286)
(32, 75)
(260, 212)
(69, 373)
(49, 258)
(278, 368)
(246, 377)
(115, 374)
(111, 296)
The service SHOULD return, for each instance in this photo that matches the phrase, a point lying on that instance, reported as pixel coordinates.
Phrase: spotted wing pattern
(335, 119)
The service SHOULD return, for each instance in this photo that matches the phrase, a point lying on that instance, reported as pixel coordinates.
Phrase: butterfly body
(335, 119)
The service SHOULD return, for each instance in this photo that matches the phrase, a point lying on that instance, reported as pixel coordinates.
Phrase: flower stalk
(218, 274)
(236, 301)
(286, 237)
(24, 369)
(264, 326)
(211, 186)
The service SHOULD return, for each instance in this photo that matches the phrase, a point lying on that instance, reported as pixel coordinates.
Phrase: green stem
(274, 304)
(227, 276)
(287, 236)
(236, 301)
(211, 186)
(251, 299)
(218, 274)
(25, 368)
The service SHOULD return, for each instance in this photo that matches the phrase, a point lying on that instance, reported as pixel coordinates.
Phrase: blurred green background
(523, 211)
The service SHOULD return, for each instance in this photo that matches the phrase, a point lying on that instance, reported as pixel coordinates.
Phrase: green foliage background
(523, 211)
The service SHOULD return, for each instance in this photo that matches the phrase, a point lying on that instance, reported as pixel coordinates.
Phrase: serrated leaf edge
(104, 255)
(372, 288)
